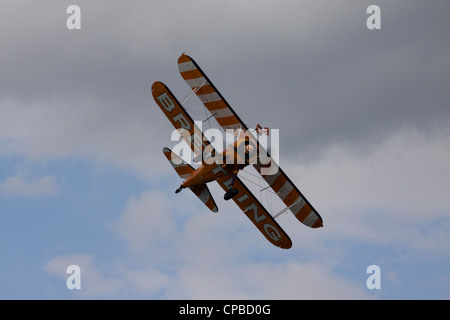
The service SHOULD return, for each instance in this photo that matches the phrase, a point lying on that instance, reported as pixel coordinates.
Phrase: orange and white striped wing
(180, 118)
(184, 170)
(292, 197)
(203, 193)
(208, 94)
(181, 167)
(257, 214)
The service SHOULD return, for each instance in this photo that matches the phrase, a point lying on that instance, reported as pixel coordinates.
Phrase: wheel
(230, 194)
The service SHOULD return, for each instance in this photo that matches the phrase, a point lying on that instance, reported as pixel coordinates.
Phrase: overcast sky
(364, 121)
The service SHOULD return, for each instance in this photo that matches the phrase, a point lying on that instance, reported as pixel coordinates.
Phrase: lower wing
(254, 210)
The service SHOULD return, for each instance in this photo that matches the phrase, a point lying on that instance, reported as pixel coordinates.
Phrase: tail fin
(184, 170)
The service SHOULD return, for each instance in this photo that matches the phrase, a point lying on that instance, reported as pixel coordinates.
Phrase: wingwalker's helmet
(246, 150)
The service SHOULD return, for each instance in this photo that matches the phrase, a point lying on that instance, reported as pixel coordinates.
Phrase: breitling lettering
(166, 102)
(272, 232)
(255, 213)
(242, 147)
(182, 120)
(169, 105)
(269, 229)
(243, 198)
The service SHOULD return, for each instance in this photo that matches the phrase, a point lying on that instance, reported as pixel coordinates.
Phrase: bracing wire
(260, 184)
(206, 115)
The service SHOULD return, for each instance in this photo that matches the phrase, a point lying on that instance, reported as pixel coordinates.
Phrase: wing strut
(286, 209)
(193, 91)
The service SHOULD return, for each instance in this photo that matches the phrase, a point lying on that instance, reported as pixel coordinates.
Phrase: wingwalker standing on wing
(223, 167)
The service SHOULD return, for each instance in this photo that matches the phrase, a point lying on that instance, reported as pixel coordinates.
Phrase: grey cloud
(310, 68)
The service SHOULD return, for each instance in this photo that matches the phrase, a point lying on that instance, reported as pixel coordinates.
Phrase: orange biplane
(224, 167)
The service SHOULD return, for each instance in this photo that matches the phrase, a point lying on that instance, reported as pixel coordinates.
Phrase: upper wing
(208, 94)
(180, 118)
(257, 213)
(291, 196)
(228, 119)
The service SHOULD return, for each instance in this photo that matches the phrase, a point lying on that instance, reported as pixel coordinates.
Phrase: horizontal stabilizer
(184, 170)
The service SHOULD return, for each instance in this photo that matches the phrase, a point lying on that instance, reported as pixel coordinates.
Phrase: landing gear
(230, 194)
(233, 191)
